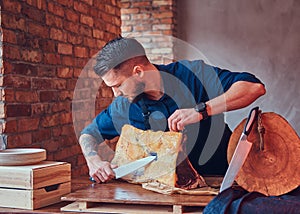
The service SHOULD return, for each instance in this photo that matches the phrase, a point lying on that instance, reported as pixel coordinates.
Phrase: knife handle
(250, 121)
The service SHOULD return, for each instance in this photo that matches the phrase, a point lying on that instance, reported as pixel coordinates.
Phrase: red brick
(86, 20)
(38, 30)
(67, 3)
(130, 11)
(55, 9)
(64, 72)
(110, 9)
(163, 15)
(77, 72)
(52, 145)
(13, 22)
(33, 13)
(65, 95)
(37, 3)
(70, 26)
(25, 69)
(41, 135)
(8, 95)
(40, 108)
(90, 42)
(47, 46)
(31, 56)
(26, 96)
(126, 4)
(74, 39)
(81, 62)
(28, 124)
(162, 2)
(10, 126)
(17, 81)
(140, 16)
(61, 106)
(58, 34)
(9, 36)
(68, 61)
(20, 140)
(51, 120)
(64, 48)
(81, 52)
(140, 28)
(42, 83)
(59, 84)
(141, 4)
(48, 96)
(161, 27)
(18, 110)
(81, 7)
(55, 21)
(85, 30)
(51, 58)
(89, 2)
(11, 6)
(71, 16)
(11, 52)
(98, 33)
(167, 21)
(46, 71)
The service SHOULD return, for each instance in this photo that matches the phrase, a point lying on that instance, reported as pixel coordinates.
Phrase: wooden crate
(34, 186)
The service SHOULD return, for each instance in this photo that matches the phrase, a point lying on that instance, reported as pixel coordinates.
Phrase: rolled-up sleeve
(101, 127)
(216, 81)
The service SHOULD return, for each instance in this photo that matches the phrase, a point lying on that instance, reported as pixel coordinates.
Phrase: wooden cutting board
(21, 156)
(120, 193)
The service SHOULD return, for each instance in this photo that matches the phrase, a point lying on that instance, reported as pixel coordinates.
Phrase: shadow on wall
(261, 37)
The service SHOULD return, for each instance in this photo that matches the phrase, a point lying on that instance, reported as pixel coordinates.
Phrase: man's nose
(116, 91)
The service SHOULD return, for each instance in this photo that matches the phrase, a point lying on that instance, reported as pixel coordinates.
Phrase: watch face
(200, 107)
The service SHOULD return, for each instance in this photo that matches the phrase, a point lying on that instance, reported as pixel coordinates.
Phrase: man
(184, 95)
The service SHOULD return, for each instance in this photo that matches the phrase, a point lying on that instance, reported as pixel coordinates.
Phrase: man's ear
(138, 70)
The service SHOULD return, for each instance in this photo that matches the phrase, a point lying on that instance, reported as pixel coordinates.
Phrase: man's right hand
(100, 171)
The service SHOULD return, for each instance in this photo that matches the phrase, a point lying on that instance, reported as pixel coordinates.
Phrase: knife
(241, 152)
(133, 166)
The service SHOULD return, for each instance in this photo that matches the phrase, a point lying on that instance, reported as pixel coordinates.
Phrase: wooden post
(177, 209)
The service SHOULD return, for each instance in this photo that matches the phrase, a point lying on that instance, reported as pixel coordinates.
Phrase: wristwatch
(201, 108)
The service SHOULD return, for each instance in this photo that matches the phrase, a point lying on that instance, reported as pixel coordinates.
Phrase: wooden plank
(118, 208)
(122, 192)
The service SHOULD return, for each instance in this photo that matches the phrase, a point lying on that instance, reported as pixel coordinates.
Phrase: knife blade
(133, 166)
(241, 152)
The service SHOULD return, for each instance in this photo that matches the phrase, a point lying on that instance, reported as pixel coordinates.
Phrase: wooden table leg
(177, 209)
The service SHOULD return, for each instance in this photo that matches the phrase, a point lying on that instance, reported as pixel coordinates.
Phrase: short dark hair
(115, 52)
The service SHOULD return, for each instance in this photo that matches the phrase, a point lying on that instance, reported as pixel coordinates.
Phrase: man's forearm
(88, 145)
(239, 95)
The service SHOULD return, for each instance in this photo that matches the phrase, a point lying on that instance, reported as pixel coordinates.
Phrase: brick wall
(153, 23)
(44, 47)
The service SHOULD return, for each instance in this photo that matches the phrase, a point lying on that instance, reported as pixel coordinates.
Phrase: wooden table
(121, 197)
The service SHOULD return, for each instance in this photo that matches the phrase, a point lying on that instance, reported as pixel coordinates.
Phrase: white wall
(258, 36)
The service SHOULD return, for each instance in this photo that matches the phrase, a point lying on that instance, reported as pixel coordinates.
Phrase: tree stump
(273, 170)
